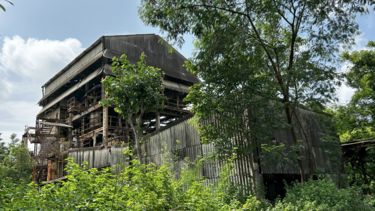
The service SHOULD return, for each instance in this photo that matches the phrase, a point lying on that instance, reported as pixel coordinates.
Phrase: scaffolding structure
(72, 117)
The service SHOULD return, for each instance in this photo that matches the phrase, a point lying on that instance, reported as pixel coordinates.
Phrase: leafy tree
(357, 119)
(360, 170)
(3, 150)
(347, 125)
(134, 90)
(16, 162)
(278, 50)
(15, 171)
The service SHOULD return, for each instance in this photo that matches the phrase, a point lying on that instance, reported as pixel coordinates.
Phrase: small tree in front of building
(134, 90)
(15, 161)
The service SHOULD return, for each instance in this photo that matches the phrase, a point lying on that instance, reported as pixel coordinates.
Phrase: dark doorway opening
(99, 140)
(275, 184)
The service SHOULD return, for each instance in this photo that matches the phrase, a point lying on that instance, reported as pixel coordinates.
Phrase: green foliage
(134, 90)
(321, 194)
(280, 49)
(259, 61)
(3, 150)
(350, 124)
(15, 170)
(15, 161)
(360, 170)
(356, 120)
(136, 187)
(148, 187)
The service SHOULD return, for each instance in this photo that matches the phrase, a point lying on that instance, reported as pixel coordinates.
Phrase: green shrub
(136, 187)
(321, 194)
(149, 187)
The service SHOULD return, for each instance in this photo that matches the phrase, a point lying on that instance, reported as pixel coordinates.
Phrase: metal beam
(71, 90)
(56, 124)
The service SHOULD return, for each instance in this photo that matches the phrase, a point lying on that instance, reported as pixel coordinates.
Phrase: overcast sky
(39, 37)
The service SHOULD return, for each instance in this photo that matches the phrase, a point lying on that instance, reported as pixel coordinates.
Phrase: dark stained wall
(158, 53)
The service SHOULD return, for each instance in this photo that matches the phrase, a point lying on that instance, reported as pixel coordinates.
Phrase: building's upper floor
(95, 61)
(158, 53)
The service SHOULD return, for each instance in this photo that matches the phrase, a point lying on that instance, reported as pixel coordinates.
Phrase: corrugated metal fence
(179, 145)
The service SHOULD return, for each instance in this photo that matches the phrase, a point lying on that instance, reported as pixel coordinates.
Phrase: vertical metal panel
(182, 141)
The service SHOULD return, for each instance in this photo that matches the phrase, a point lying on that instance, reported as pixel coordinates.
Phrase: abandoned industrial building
(72, 123)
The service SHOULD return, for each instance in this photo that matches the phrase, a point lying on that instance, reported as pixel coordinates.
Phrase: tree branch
(247, 15)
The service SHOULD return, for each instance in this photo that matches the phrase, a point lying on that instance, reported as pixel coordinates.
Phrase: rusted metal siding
(181, 140)
(157, 51)
(98, 157)
(71, 90)
(319, 147)
(180, 145)
(51, 170)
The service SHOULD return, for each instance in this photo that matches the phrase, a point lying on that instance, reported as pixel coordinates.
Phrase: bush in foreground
(136, 187)
(322, 194)
(148, 187)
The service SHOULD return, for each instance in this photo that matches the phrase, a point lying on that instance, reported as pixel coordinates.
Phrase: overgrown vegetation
(322, 194)
(15, 161)
(136, 187)
(251, 53)
(15, 171)
(355, 120)
(148, 187)
(360, 170)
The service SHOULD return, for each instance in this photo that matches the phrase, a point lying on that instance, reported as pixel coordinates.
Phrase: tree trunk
(310, 155)
(294, 138)
(135, 135)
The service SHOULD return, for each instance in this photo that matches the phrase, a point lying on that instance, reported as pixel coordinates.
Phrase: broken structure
(71, 116)
(73, 123)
